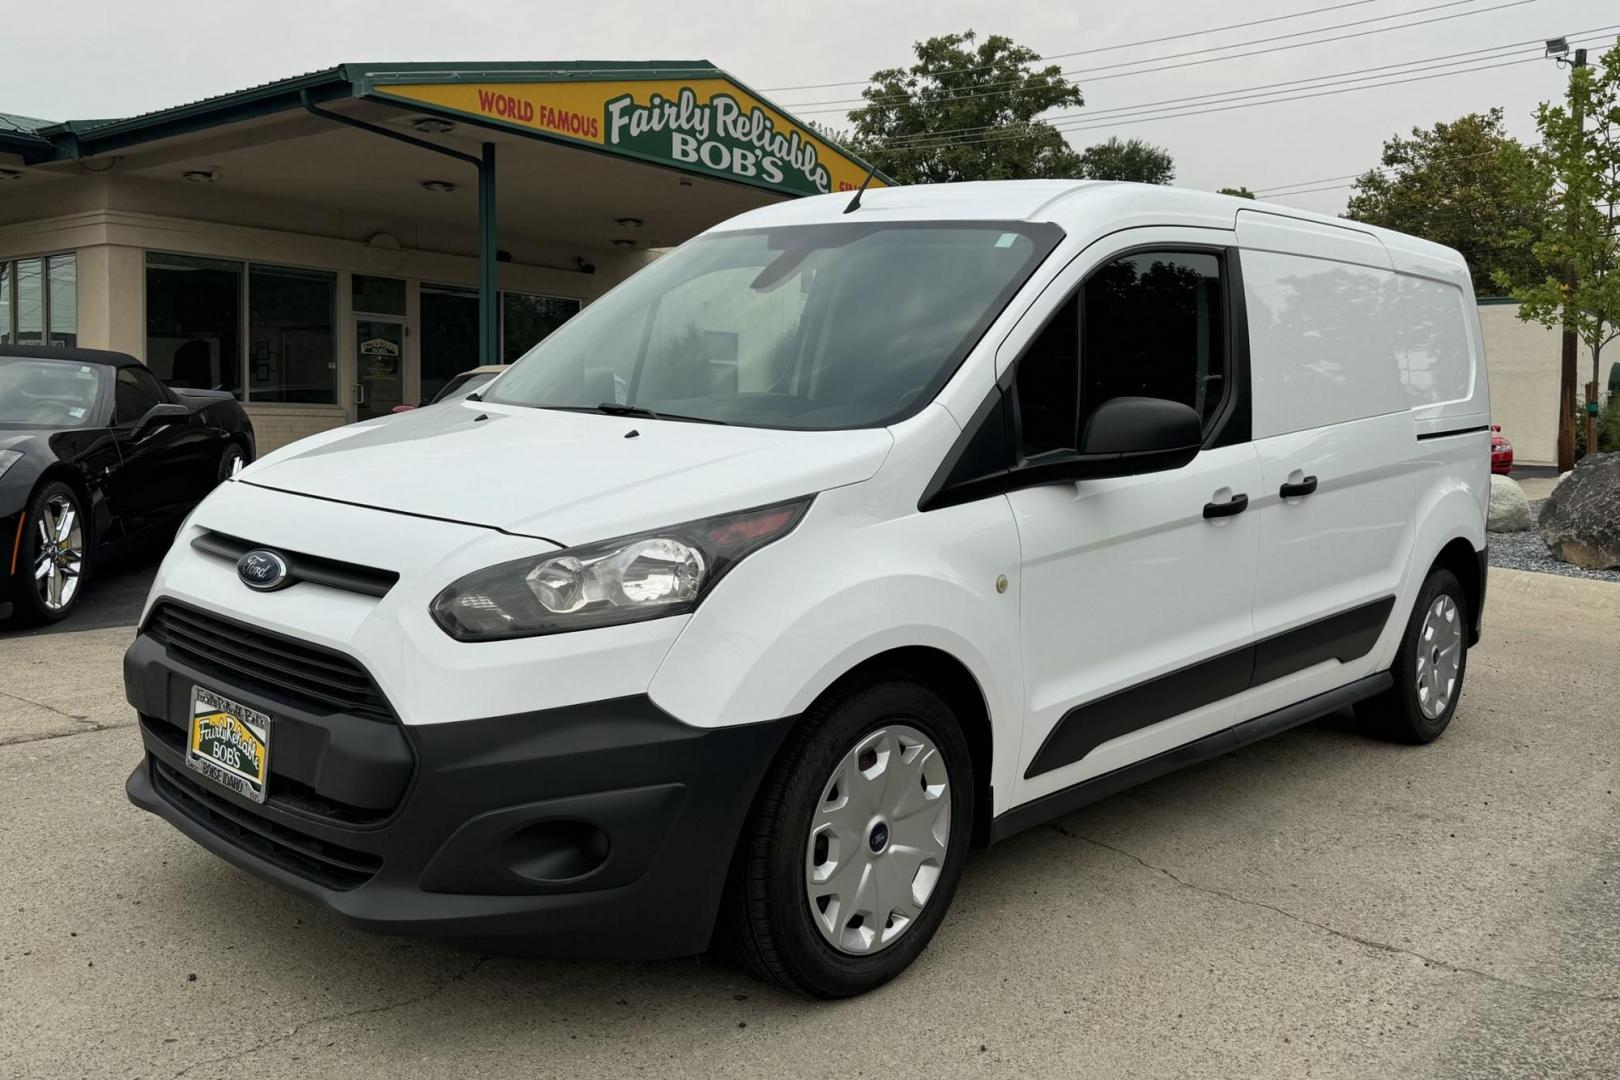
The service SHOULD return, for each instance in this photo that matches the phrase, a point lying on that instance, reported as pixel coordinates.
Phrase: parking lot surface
(1318, 905)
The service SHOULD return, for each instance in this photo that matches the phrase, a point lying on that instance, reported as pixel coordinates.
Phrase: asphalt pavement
(1318, 905)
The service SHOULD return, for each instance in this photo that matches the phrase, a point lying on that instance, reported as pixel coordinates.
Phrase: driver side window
(134, 394)
(1147, 324)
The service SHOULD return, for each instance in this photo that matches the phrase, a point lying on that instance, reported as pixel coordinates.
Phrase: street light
(1558, 52)
(1568, 361)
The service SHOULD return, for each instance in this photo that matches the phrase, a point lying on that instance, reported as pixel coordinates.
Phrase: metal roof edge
(80, 138)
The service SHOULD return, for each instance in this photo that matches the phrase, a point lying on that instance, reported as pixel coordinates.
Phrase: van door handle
(1236, 505)
(1299, 490)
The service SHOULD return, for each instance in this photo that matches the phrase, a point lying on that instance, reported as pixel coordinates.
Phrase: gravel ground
(1525, 551)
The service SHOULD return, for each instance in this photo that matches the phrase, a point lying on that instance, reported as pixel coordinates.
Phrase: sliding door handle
(1236, 505)
(1299, 490)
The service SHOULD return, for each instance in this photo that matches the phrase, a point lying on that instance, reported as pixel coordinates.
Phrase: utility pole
(1569, 367)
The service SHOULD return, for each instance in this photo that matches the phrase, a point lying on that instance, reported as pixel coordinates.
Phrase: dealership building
(332, 245)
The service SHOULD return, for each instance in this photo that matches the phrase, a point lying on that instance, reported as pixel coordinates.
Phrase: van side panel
(1319, 338)
(1429, 333)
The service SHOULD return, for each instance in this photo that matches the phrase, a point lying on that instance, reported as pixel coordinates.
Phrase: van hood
(566, 477)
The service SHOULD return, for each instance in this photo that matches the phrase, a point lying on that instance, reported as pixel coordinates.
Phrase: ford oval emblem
(263, 570)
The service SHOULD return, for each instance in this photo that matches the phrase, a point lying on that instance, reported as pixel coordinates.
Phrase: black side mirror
(1147, 434)
(1126, 436)
(161, 415)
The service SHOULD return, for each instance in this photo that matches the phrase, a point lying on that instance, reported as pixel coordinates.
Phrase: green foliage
(1240, 192)
(1580, 227)
(1608, 427)
(966, 111)
(1466, 184)
(1130, 159)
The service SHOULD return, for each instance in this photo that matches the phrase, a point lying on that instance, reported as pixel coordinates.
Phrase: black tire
(1398, 713)
(30, 606)
(228, 459)
(767, 925)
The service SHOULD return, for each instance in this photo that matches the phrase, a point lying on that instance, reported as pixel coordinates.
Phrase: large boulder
(1510, 510)
(1580, 521)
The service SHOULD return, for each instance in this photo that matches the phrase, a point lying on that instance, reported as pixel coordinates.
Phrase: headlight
(645, 576)
(8, 458)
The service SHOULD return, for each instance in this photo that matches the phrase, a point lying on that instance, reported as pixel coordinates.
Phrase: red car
(1501, 451)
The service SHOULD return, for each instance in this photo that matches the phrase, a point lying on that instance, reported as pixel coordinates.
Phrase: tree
(1130, 159)
(1466, 184)
(966, 112)
(1240, 192)
(1577, 240)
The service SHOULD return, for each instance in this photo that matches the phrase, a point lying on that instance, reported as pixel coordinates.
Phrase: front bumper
(601, 830)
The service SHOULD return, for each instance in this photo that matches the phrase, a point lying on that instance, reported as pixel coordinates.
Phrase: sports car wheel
(231, 462)
(53, 560)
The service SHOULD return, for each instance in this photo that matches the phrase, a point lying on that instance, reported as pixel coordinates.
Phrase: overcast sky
(68, 59)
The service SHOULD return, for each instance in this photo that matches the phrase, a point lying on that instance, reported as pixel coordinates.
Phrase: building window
(449, 335)
(292, 347)
(377, 295)
(36, 294)
(450, 329)
(527, 320)
(194, 322)
(196, 337)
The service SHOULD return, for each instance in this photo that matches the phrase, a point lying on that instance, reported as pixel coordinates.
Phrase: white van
(829, 546)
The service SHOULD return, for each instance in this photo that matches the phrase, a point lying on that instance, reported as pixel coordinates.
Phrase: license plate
(229, 743)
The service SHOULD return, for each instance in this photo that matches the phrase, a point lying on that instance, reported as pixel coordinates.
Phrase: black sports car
(95, 453)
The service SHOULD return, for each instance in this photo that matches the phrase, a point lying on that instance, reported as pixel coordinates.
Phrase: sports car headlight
(645, 576)
(8, 458)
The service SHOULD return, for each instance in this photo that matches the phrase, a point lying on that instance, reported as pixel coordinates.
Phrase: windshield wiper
(614, 408)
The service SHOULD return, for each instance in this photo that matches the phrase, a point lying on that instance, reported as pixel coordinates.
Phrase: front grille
(303, 675)
(325, 864)
(285, 793)
(317, 569)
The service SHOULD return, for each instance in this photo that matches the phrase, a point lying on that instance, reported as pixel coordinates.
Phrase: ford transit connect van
(827, 547)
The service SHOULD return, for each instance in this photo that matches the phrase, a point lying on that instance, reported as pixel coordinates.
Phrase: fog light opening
(554, 851)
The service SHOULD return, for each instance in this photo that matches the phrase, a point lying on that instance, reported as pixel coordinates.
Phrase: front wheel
(1429, 666)
(54, 560)
(856, 843)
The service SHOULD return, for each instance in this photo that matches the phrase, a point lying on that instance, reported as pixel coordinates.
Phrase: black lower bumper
(602, 830)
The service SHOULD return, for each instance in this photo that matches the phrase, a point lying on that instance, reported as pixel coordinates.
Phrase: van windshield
(809, 327)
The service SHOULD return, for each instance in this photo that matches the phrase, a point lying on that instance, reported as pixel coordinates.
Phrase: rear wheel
(1429, 666)
(856, 843)
(53, 560)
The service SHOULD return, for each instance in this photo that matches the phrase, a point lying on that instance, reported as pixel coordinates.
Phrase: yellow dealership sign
(706, 125)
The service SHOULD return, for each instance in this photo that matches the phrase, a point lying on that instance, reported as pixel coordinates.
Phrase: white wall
(1522, 359)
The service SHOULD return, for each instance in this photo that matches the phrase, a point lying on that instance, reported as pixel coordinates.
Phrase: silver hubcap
(1440, 645)
(878, 840)
(61, 553)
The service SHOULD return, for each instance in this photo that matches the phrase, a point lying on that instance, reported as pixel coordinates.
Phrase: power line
(1171, 115)
(844, 104)
(1089, 124)
(1099, 48)
(1242, 92)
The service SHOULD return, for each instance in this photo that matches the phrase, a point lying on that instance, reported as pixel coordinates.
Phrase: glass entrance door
(379, 360)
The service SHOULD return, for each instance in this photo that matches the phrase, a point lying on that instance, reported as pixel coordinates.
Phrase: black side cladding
(1346, 636)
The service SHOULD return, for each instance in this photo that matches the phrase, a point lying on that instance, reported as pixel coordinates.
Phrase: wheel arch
(951, 679)
(1459, 556)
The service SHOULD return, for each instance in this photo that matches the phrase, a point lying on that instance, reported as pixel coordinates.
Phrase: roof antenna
(855, 203)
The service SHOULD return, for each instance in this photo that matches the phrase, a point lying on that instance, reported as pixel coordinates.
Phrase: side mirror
(1128, 436)
(159, 416)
